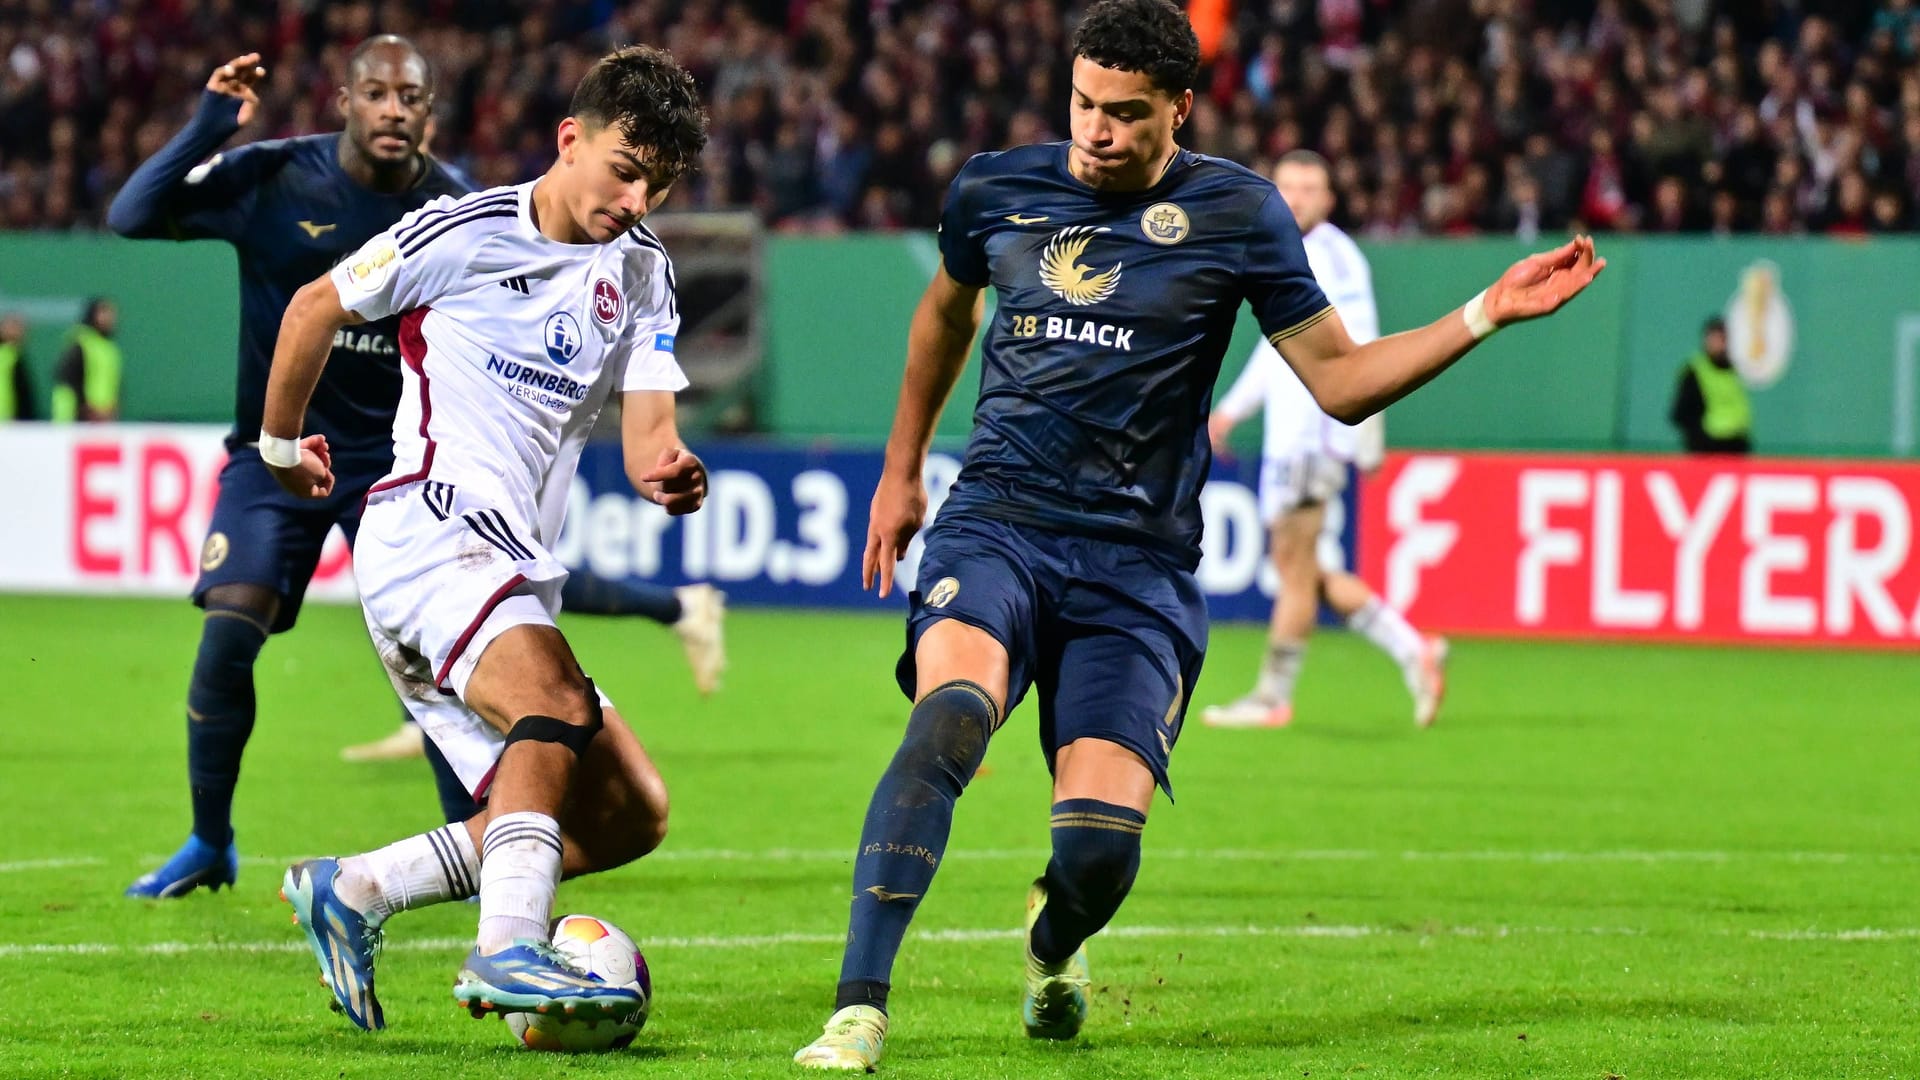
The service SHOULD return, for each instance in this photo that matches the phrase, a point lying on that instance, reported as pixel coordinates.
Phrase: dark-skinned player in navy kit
(290, 208)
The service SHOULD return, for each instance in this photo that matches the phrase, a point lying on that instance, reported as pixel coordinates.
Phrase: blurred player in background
(291, 208)
(523, 310)
(1303, 471)
(1063, 558)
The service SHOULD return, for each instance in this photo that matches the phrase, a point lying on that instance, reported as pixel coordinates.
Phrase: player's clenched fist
(678, 481)
(236, 78)
(312, 476)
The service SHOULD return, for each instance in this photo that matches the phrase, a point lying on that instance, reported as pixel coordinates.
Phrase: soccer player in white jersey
(523, 310)
(1303, 470)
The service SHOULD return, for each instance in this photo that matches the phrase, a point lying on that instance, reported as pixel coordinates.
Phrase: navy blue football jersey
(1115, 310)
(291, 212)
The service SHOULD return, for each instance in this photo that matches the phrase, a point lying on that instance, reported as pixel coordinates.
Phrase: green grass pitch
(1606, 861)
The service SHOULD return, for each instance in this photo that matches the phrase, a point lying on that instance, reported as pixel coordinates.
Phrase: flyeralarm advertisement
(1705, 548)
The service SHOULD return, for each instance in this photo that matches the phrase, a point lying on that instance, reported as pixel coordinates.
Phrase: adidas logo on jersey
(517, 284)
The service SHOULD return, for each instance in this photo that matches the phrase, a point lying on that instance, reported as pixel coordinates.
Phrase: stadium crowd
(1449, 117)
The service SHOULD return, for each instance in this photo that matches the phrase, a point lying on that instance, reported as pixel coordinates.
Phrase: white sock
(519, 870)
(1388, 629)
(420, 870)
(1278, 671)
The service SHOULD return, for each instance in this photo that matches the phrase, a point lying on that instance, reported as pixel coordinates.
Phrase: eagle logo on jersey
(1070, 279)
(1165, 223)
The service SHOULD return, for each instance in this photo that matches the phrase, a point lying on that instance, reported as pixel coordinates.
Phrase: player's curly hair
(1152, 37)
(653, 103)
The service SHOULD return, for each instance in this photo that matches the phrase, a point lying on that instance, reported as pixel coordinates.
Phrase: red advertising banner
(1710, 549)
(119, 508)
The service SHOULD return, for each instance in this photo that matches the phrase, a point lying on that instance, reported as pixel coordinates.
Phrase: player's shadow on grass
(1168, 1024)
(640, 1051)
(411, 1052)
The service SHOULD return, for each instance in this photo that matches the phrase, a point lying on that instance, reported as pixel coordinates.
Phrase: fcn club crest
(606, 301)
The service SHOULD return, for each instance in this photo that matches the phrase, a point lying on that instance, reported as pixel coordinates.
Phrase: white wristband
(1475, 314)
(279, 453)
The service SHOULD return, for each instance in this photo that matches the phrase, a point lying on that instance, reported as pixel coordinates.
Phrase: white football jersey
(1295, 424)
(511, 343)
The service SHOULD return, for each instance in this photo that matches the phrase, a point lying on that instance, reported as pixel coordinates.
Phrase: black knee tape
(549, 729)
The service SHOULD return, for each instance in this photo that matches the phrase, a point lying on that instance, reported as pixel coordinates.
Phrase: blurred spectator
(1710, 405)
(1451, 117)
(86, 384)
(16, 387)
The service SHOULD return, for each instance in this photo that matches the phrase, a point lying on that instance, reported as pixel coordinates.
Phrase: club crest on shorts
(606, 300)
(214, 551)
(943, 592)
(1165, 223)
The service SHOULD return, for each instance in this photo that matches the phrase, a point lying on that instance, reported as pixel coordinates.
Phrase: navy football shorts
(1109, 634)
(263, 535)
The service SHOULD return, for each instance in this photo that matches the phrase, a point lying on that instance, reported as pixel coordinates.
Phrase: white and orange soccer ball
(597, 947)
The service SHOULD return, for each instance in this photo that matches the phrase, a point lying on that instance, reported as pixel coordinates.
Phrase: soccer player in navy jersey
(290, 208)
(1063, 559)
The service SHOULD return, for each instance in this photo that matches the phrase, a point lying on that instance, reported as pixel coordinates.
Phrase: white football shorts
(1289, 483)
(440, 578)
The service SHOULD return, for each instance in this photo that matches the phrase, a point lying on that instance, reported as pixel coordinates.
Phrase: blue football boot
(197, 863)
(530, 976)
(344, 940)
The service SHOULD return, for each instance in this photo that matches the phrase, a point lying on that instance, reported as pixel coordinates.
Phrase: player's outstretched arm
(942, 331)
(313, 317)
(658, 467)
(141, 208)
(1352, 382)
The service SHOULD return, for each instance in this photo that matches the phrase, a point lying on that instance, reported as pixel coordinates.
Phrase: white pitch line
(1865, 933)
(968, 936)
(47, 864)
(759, 941)
(845, 855)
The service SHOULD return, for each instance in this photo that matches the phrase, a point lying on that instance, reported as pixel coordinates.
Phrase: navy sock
(220, 709)
(905, 834)
(1096, 853)
(456, 802)
(585, 594)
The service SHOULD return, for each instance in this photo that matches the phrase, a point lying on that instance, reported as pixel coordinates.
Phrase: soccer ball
(597, 947)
